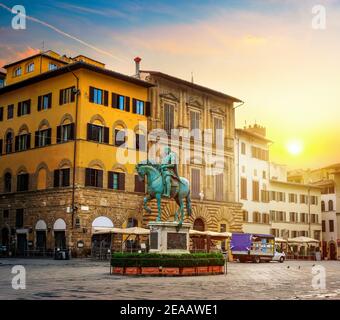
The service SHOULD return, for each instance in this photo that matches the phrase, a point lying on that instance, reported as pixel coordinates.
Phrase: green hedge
(166, 260)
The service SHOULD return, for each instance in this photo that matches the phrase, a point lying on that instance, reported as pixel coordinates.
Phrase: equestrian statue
(163, 181)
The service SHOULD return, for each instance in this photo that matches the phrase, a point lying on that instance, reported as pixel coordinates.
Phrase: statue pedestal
(165, 238)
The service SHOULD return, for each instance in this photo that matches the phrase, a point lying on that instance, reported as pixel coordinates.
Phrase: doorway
(332, 251)
(41, 240)
(60, 239)
(199, 243)
(5, 237)
(21, 244)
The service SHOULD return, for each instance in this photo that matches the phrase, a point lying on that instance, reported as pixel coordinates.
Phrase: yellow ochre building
(61, 121)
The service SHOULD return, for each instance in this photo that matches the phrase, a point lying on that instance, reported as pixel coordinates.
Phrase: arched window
(323, 206)
(9, 142)
(23, 140)
(119, 135)
(330, 205)
(30, 67)
(8, 182)
(43, 135)
(17, 72)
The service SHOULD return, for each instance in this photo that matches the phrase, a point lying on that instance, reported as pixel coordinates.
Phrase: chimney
(137, 61)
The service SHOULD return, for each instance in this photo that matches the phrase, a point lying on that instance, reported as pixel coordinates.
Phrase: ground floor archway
(101, 242)
(40, 235)
(59, 229)
(198, 243)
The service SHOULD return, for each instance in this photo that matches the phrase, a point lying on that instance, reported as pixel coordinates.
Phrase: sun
(295, 147)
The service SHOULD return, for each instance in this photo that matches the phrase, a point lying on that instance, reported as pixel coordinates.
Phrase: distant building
(328, 179)
(2, 78)
(271, 204)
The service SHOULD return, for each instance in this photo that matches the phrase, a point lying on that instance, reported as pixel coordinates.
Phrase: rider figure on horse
(169, 170)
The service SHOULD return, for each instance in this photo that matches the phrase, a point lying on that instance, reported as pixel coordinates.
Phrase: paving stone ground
(87, 279)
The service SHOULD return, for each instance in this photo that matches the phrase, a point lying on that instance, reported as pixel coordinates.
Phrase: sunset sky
(264, 52)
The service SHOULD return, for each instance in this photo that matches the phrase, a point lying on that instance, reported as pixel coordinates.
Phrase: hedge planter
(132, 270)
(154, 264)
(170, 271)
(117, 270)
(150, 270)
(202, 270)
(187, 271)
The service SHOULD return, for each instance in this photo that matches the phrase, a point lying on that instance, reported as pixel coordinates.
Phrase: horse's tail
(188, 204)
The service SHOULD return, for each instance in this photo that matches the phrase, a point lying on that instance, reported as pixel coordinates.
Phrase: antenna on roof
(192, 77)
(42, 46)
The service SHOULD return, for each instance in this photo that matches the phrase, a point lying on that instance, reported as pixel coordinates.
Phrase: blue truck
(252, 247)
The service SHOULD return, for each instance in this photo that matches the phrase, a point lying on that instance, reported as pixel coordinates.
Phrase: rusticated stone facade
(51, 205)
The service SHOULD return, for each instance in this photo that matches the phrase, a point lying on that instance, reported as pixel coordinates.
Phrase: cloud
(14, 53)
(45, 24)
(106, 12)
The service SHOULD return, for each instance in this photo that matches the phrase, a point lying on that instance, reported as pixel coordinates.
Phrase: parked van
(252, 247)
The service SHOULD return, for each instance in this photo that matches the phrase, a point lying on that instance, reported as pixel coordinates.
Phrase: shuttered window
(219, 132)
(62, 177)
(256, 191)
(67, 95)
(196, 183)
(116, 180)
(265, 196)
(120, 102)
(139, 185)
(219, 187)
(22, 182)
(45, 102)
(43, 138)
(99, 96)
(10, 111)
(141, 107)
(195, 124)
(22, 142)
(24, 108)
(65, 133)
(168, 118)
(98, 133)
(93, 178)
(244, 188)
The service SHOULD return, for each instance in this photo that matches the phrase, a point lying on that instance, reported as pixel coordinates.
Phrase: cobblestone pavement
(86, 279)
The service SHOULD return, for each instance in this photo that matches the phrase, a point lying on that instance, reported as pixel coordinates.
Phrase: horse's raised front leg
(146, 200)
(159, 198)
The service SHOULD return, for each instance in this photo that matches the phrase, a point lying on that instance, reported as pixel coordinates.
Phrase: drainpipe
(74, 208)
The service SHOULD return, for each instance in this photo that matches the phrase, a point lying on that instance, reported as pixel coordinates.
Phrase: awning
(211, 234)
(302, 240)
(129, 231)
(281, 240)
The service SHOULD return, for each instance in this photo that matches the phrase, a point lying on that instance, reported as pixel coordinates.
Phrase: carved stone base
(165, 237)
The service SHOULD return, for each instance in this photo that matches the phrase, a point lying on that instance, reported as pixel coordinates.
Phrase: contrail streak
(66, 34)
